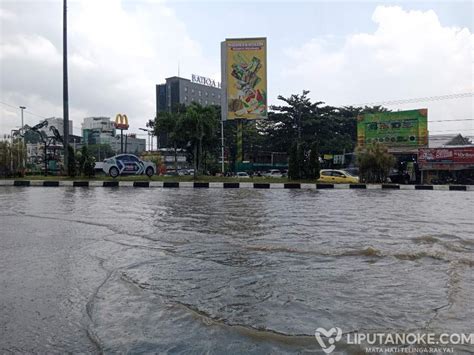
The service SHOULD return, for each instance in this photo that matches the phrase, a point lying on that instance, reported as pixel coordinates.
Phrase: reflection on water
(229, 270)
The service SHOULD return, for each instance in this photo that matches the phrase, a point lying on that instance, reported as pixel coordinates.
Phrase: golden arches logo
(121, 121)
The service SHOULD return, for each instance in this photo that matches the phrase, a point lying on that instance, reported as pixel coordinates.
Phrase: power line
(3, 103)
(454, 120)
(419, 99)
(451, 130)
(35, 114)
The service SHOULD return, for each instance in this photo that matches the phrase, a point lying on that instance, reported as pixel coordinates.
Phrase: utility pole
(22, 138)
(65, 89)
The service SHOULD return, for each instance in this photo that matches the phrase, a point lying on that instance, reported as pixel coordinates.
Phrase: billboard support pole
(222, 146)
(240, 155)
(121, 141)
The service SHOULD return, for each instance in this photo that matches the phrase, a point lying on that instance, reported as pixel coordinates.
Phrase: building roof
(442, 140)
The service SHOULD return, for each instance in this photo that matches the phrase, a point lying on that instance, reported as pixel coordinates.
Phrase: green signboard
(394, 129)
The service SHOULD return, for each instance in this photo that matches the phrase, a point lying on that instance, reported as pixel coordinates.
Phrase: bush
(374, 163)
(86, 162)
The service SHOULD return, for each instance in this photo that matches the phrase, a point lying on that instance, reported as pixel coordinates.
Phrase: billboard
(394, 129)
(244, 78)
(446, 158)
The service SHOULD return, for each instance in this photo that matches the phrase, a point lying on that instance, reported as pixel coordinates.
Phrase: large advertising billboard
(446, 158)
(244, 78)
(394, 129)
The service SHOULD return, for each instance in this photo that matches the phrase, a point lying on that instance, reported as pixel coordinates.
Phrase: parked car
(337, 177)
(128, 164)
(242, 175)
(274, 173)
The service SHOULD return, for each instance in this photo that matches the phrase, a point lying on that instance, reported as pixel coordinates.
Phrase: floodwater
(229, 271)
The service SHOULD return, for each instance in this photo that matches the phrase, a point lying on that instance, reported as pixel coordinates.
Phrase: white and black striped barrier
(229, 185)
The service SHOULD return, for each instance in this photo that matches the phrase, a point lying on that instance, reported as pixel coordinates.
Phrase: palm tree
(168, 123)
(199, 125)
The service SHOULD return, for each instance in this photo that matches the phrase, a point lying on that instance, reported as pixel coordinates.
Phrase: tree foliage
(303, 162)
(313, 163)
(197, 129)
(293, 165)
(374, 163)
(86, 162)
(12, 158)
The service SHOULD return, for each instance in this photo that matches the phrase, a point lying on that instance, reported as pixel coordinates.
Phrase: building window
(213, 94)
(199, 92)
(185, 89)
(192, 91)
(218, 96)
(200, 101)
(205, 102)
(207, 94)
(185, 98)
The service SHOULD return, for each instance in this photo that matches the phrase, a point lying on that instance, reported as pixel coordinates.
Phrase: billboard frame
(224, 73)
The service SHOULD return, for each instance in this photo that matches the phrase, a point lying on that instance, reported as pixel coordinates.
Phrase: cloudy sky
(350, 52)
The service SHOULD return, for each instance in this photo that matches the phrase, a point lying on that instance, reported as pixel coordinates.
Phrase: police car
(127, 164)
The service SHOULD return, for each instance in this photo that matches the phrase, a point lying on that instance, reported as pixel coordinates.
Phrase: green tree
(199, 126)
(313, 163)
(5, 158)
(168, 124)
(301, 159)
(335, 128)
(12, 158)
(86, 162)
(293, 166)
(374, 163)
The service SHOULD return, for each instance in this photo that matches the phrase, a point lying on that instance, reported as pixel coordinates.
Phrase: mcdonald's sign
(121, 121)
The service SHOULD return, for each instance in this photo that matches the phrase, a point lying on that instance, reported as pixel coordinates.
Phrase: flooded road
(235, 271)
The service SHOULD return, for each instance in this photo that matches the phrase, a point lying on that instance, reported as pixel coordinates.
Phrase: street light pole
(22, 138)
(22, 108)
(149, 132)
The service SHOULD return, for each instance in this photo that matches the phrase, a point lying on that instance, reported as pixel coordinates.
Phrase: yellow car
(337, 177)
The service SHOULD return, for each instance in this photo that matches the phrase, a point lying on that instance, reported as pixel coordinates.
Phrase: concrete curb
(230, 185)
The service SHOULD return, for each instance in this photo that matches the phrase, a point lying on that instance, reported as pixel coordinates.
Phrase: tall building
(178, 90)
(97, 130)
(101, 130)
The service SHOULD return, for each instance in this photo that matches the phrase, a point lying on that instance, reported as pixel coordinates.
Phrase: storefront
(447, 165)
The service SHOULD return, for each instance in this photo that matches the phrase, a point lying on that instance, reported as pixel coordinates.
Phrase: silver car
(128, 164)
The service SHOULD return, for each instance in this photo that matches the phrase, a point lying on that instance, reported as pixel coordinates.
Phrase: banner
(463, 155)
(244, 78)
(394, 129)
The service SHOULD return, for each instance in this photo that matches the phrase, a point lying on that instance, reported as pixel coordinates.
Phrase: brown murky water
(235, 271)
